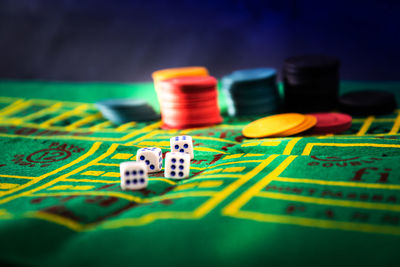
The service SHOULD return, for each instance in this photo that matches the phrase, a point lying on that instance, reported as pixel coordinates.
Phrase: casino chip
(251, 92)
(368, 102)
(165, 74)
(121, 111)
(273, 125)
(188, 102)
(309, 122)
(331, 123)
(311, 83)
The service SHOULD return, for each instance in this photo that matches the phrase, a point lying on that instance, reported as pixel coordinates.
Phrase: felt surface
(305, 200)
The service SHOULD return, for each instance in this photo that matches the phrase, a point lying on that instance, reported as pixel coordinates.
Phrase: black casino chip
(311, 83)
(368, 102)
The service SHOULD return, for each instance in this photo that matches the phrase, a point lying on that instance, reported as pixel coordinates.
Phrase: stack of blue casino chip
(251, 92)
(120, 111)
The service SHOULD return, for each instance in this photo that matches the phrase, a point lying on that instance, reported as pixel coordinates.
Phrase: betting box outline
(234, 208)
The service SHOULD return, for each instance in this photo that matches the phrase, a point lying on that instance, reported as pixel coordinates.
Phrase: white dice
(177, 165)
(152, 157)
(183, 144)
(133, 175)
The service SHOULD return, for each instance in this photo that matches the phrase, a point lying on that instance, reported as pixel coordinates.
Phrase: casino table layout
(303, 200)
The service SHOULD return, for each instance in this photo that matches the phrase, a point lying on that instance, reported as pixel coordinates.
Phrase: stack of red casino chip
(189, 102)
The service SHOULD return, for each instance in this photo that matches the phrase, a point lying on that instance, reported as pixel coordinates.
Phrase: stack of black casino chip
(368, 102)
(311, 83)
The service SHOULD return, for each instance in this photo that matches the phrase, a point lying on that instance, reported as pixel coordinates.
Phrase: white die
(133, 175)
(177, 165)
(183, 144)
(152, 157)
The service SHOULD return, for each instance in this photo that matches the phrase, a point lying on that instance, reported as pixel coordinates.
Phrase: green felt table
(303, 200)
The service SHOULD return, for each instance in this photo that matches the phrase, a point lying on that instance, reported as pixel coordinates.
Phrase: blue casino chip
(251, 92)
(120, 111)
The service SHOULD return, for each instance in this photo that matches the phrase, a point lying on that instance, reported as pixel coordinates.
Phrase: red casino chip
(184, 85)
(331, 123)
(211, 104)
(193, 96)
(176, 125)
(188, 102)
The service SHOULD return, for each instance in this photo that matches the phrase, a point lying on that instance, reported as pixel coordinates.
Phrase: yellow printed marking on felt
(125, 126)
(83, 121)
(234, 169)
(367, 123)
(204, 209)
(100, 126)
(248, 155)
(309, 146)
(233, 156)
(71, 187)
(93, 173)
(199, 184)
(396, 125)
(111, 174)
(16, 176)
(14, 107)
(114, 182)
(65, 115)
(272, 125)
(8, 185)
(338, 183)
(122, 156)
(330, 202)
(207, 149)
(17, 194)
(324, 224)
(152, 143)
(290, 145)
(262, 143)
(179, 72)
(235, 206)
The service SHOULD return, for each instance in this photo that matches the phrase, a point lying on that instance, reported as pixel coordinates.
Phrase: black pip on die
(182, 144)
(152, 157)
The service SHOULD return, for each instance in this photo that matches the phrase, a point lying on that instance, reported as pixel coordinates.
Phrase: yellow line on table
(125, 126)
(209, 205)
(17, 176)
(115, 181)
(338, 183)
(64, 115)
(367, 123)
(42, 112)
(330, 202)
(83, 121)
(91, 151)
(246, 196)
(290, 145)
(396, 125)
(308, 147)
(325, 224)
(100, 126)
(14, 107)
(55, 219)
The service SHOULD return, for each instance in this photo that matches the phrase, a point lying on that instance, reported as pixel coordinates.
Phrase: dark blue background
(82, 40)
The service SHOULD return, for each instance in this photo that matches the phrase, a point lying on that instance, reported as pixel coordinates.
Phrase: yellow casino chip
(165, 74)
(272, 125)
(308, 123)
